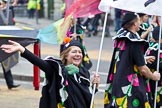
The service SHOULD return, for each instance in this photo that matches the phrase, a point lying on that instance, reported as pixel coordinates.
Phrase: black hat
(155, 33)
(64, 46)
(141, 14)
(5, 1)
(128, 17)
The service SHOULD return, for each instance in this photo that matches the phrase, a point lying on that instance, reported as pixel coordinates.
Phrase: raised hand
(150, 59)
(96, 80)
(156, 76)
(12, 47)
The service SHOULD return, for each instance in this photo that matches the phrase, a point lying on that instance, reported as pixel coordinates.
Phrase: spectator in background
(13, 3)
(108, 24)
(7, 74)
(91, 24)
(22, 1)
(95, 23)
(118, 16)
(32, 5)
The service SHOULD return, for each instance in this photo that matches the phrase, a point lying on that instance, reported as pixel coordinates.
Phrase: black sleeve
(137, 54)
(160, 66)
(42, 64)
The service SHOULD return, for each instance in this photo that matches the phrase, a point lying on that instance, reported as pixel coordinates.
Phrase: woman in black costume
(68, 82)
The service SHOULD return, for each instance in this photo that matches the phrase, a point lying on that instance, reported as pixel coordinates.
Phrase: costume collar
(123, 33)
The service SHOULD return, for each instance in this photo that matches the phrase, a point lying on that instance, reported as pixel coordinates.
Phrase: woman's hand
(96, 80)
(150, 59)
(12, 47)
(156, 76)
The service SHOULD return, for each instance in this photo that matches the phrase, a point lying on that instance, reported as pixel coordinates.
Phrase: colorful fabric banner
(68, 3)
(55, 33)
(50, 34)
(150, 7)
(83, 8)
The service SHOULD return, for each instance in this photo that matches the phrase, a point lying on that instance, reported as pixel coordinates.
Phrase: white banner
(150, 7)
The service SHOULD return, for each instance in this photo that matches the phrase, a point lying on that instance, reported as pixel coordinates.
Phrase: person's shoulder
(51, 58)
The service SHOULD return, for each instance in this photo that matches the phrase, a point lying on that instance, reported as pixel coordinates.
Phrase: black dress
(153, 51)
(62, 89)
(127, 88)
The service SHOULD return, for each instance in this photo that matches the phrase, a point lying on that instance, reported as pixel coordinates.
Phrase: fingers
(13, 42)
(156, 76)
(150, 59)
(9, 48)
(96, 79)
(6, 48)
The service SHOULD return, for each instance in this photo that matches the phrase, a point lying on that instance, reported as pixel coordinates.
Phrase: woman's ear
(66, 57)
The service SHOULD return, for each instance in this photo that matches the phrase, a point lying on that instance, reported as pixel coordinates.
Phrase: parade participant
(145, 28)
(128, 72)
(153, 51)
(76, 33)
(67, 82)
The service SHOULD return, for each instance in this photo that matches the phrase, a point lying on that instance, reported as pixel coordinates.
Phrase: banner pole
(158, 59)
(99, 57)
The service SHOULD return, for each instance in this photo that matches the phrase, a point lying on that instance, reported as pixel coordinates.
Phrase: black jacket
(70, 91)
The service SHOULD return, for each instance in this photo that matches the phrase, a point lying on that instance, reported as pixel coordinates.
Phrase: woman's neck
(132, 30)
(141, 21)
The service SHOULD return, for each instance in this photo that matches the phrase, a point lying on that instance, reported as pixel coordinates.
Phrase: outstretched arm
(14, 46)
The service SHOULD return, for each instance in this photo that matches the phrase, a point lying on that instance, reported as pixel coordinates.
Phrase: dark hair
(64, 54)
(5, 1)
(129, 19)
(141, 14)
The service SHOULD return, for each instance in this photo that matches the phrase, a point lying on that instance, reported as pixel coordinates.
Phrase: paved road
(27, 97)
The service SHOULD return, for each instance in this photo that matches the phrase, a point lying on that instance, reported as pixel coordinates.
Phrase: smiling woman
(66, 79)
(74, 57)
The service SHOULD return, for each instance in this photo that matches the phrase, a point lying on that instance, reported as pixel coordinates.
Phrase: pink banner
(68, 3)
(83, 8)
